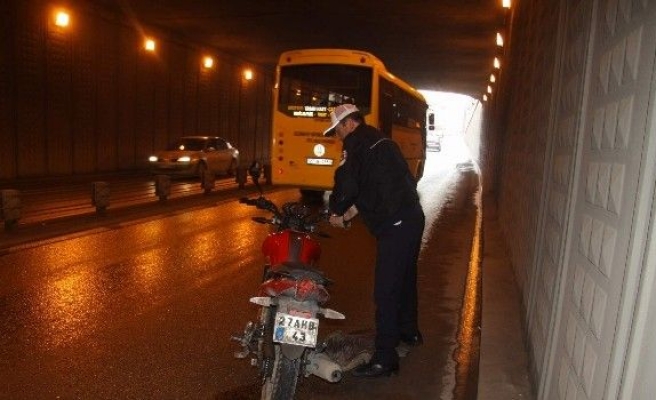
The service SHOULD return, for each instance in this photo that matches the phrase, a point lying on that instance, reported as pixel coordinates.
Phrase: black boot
(374, 369)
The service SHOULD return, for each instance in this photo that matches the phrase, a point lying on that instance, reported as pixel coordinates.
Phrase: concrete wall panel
(607, 241)
(83, 102)
(129, 51)
(176, 97)
(190, 96)
(30, 151)
(107, 100)
(7, 106)
(576, 190)
(58, 97)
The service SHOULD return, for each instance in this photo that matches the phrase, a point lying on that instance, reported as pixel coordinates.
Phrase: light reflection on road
(66, 308)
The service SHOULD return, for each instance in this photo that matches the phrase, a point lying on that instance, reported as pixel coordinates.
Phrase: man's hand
(343, 221)
(350, 213)
(337, 221)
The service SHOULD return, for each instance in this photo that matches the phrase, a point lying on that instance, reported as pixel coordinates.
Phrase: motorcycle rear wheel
(282, 383)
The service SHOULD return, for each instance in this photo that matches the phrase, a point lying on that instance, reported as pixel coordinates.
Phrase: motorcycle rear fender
(329, 313)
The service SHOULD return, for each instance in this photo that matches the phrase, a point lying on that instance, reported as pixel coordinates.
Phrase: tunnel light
(484, 97)
(493, 78)
(497, 63)
(489, 89)
(505, 3)
(208, 62)
(62, 18)
(149, 44)
(248, 74)
(499, 40)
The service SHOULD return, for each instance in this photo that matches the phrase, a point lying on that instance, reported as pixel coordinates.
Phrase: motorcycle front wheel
(282, 383)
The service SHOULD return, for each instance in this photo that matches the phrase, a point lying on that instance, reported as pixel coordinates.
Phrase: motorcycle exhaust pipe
(322, 366)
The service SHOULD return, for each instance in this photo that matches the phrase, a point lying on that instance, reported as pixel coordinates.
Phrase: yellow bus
(309, 85)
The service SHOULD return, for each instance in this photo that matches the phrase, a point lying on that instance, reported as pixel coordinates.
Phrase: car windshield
(190, 144)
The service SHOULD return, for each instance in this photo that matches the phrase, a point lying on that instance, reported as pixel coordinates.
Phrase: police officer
(373, 179)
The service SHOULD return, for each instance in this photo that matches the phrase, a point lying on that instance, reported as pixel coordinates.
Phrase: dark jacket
(375, 177)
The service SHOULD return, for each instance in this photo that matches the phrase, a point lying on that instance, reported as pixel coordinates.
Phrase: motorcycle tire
(281, 385)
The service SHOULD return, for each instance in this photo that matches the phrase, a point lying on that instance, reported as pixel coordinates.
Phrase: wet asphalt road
(144, 308)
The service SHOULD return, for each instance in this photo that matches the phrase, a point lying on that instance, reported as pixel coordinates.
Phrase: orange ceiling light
(149, 44)
(248, 74)
(208, 62)
(62, 18)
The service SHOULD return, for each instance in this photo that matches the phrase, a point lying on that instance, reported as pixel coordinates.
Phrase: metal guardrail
(30, 202)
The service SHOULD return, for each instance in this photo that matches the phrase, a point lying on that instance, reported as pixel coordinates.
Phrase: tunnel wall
(88, 98)
(472, 134)
(574, 180)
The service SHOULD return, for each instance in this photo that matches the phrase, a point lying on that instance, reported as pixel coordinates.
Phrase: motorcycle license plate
(299, 331)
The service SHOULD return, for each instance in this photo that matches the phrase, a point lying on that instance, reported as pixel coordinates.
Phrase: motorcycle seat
(298, 270)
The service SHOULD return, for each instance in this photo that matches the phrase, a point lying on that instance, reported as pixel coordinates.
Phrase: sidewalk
(503, 368)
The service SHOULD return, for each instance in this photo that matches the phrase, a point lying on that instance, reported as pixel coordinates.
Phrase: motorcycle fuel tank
(291, 246)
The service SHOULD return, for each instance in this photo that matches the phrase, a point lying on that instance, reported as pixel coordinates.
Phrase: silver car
(195, 155)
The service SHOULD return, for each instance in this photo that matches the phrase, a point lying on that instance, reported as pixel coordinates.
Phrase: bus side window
(386, 108)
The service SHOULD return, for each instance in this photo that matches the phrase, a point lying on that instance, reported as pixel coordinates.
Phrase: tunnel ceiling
(445, 45)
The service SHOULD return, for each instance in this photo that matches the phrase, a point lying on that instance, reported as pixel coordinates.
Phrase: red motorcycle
(283, 341)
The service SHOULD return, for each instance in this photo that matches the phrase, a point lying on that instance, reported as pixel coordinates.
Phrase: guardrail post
(162, 186)
(11, 207)
(208, 181)
(100, 196)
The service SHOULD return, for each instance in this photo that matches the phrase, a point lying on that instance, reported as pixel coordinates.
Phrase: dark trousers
(395, 285)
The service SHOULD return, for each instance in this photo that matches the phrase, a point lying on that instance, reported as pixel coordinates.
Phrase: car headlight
(184, 159)
(152, 158)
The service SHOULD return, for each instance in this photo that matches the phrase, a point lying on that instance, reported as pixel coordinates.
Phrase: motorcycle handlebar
(261, 220)
(292, 215)
(261, 203)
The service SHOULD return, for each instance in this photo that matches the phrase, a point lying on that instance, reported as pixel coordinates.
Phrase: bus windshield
(313, 90)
